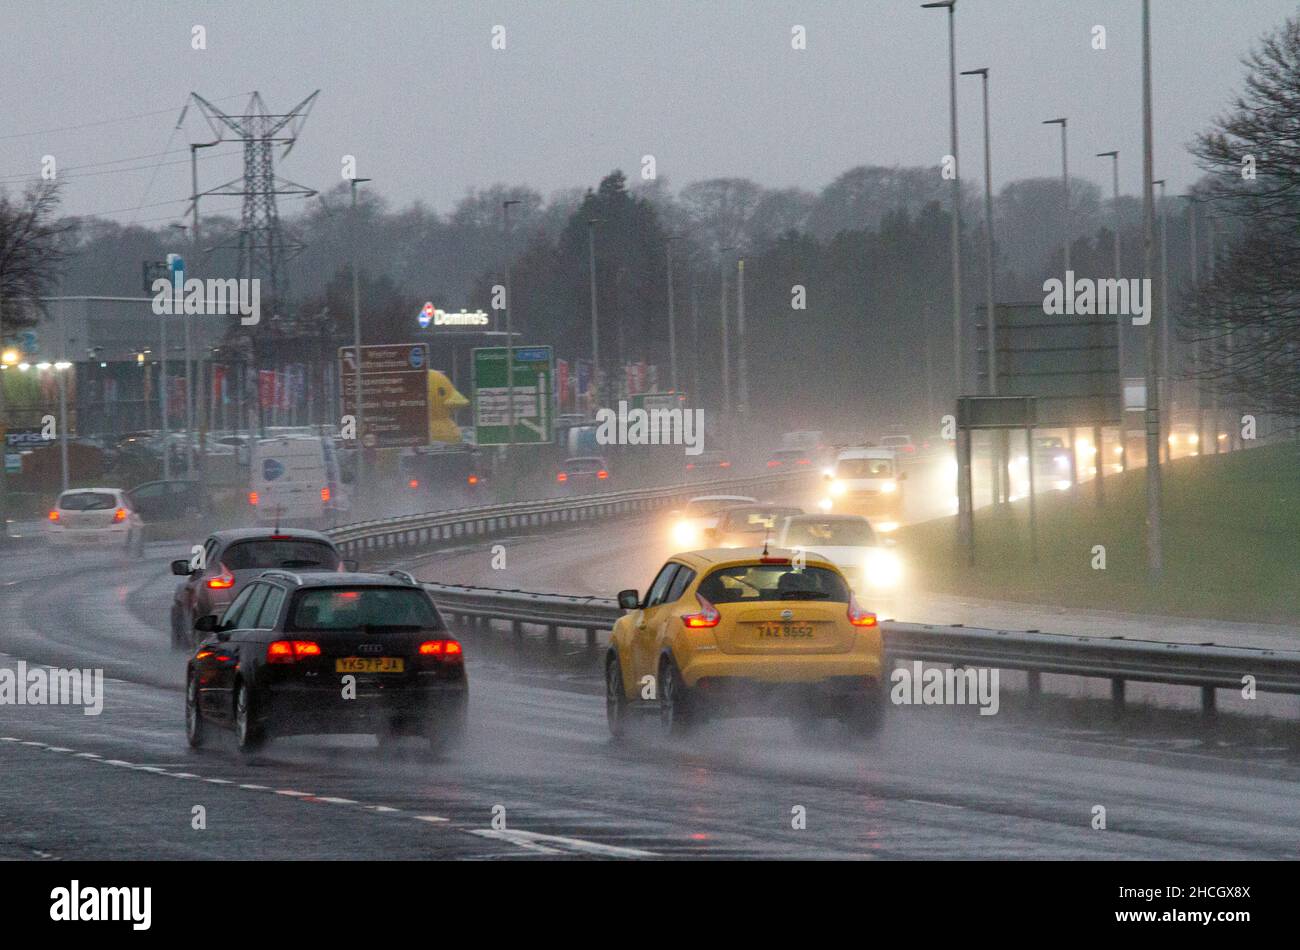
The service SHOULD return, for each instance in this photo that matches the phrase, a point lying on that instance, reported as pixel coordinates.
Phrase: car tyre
(194, 727)
(249, 736)
(676, 714)
(616, 711)
(180, 640)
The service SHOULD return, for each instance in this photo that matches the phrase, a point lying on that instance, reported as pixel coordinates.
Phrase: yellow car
(745, 631)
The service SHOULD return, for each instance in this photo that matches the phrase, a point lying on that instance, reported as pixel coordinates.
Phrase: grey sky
(415, 91)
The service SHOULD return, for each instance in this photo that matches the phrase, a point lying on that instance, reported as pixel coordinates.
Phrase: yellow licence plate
(370, 664)
(789, 631)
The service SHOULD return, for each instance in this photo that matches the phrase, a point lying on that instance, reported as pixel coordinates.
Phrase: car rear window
(832, 533)
(709, 506)
(290, 554)
(755, 583)
(584, 465)
(864, 468)
(757, 519)
(347, 608)
(87, 501)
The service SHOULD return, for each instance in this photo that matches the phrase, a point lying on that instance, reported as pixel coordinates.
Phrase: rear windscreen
(343, 608)
(87, 501)
(582, 466)
(832, 533)
(756, 519)
(754, 583)
(289, 554)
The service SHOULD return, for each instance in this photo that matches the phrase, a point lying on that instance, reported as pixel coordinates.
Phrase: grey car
(230, 559)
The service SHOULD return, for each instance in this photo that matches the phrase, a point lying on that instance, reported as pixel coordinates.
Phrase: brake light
(707, 617)
(473, 479)
(290, 651)
(859, 617)
(252, 498)
(443, 648)
(724, 465)
(223, 580)
(773, 560)
(689, 466)
(413, 483)
(773, 463)
(562, 477)
(119, 515)
(54, 516)
(805, 462)
(324, 494)
(602, 474)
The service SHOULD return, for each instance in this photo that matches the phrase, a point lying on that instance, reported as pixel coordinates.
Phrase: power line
(115, 171)
(88, 125)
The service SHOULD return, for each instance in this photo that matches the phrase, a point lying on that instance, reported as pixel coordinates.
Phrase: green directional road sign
(534, 394)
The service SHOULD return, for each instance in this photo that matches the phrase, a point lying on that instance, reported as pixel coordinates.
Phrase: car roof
(882, 453)
(708, 558)
(326, 579)
(813, 516)
(762, 506)
(269, 534)
(740, 499)
(80, 491)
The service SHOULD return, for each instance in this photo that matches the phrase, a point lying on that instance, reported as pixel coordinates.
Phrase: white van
(866, 481)
(294, 479)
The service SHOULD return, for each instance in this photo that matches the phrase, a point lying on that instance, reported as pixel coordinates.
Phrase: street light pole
(189, 376)
(1166, 401)
(510, 336)
(595, 322)
(356, 344)
(1065, 249)
(742, 389)
(726, 346)
(672, 317)
(1151, 413)
(1113, 155)
(958, 362)
(1196, 352)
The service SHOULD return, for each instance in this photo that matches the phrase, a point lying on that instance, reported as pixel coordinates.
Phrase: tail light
(689, 466)
(54, 516)
(707, 617)
(119, 515)
(859, 617)
(413, 483)
(562, 477)
(724, 465)
(602, 474)
(473, 479)
(805, 461)
(444, 649)
(223, 580)
(252, 498)
(324, 494)
(773, 463)
(291, 651)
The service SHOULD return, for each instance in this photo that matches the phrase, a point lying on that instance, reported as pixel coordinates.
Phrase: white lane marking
(335, 801)
(219, 781)
(535, 840)
(432, 819)
(918, 801)
(292, 794)
(57, 748)
(181, 774)
(256, 788)
(381, 808)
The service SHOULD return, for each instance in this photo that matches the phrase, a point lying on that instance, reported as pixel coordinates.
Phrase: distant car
(707, 465)
(868, 561)
(689, 523)
(444, 477)
(1184, 440)
(583, 475)
(231, 559)
(866, 481)
(792, 458)
(175, 500)
(745, 632)
(95, 517)
(899, 443)
(743, 526)
(275, 663)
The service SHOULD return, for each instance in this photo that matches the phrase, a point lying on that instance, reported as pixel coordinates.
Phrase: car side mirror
(181, 568)
(629, 599)
(350, 564)
(207, 624)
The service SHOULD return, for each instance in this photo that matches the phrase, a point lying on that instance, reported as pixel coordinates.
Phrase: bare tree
(1245, 316)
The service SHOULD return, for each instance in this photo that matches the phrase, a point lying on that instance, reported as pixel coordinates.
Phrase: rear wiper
(804, 595)
(300, 563)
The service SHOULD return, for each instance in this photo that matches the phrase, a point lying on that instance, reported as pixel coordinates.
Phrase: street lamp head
(1158, 181)
(1060, 122)
(1110, 154)
(939, 3)
(511, 201)
(982, 71)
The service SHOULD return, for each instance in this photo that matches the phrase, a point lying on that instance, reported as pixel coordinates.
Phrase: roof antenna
(767, 531)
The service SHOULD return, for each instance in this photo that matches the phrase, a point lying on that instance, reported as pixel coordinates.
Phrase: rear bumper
(832, 696)
(286, 709)
(819, 670)
(64, 537)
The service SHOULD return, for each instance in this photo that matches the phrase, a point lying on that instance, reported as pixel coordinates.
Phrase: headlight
(1194, 439)
(1063, 484)
(824, 504)
(838, 487)
(890, 486)
(1062, 462)
(883, 570)
(684, 534)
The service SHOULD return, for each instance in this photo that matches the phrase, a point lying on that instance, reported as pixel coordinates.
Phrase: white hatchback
(95, 517)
